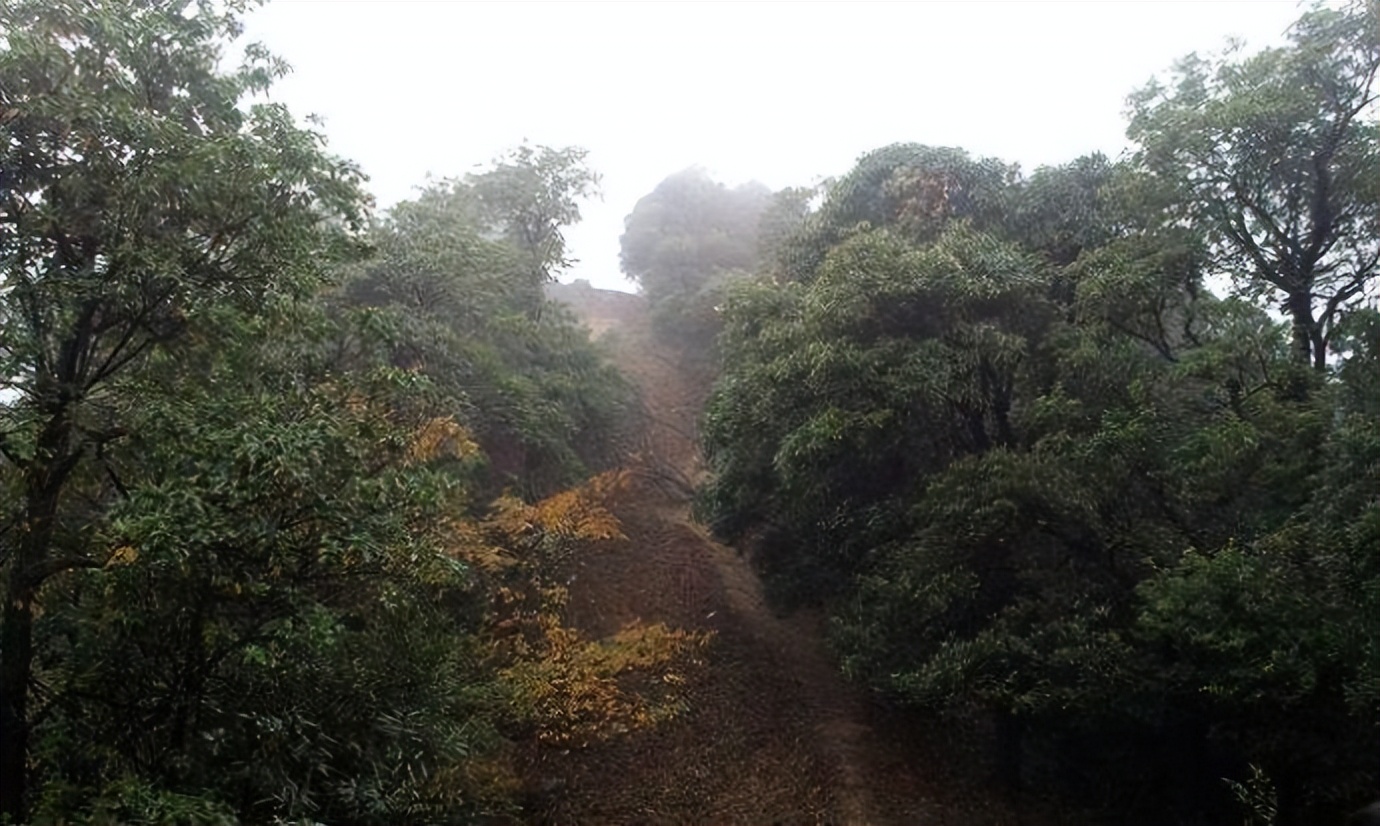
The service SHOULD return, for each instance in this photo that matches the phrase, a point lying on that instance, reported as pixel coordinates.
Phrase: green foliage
(278, 625)
(1257, 797)
(468, 312)
(1034, 468)
(684, 243)
(241, 460)
(916, 189)
(144, 193)
(1274, 156)
(843, 392)
(529, 196)
(689, 228)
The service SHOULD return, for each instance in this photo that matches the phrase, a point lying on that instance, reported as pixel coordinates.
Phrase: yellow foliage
(491, 781)
(123, 555)
(579, 691)
(579, 513)
(571, 690)
(469, 542)
(441, 436)
(356, 402)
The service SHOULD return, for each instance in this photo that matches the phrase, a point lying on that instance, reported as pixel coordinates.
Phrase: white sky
(782, 92)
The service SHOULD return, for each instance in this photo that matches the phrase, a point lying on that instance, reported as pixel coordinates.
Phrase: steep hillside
(598, 309)
(772, 733)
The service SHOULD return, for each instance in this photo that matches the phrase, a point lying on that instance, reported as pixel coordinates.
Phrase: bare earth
(772, 734)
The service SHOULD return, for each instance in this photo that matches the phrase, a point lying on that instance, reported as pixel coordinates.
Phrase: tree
(142, 192)
(307, 612)
(470, 314)
(530, 195)
(998, 427)
(910, 187)
(784, 217)
(1277, 155)
(841, 397)
(688, 229)
(684, 244)
(282, 629)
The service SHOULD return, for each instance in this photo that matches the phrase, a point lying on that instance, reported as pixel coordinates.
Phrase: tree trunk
(16, 671)
(1306, 332)
(16, 663)
(44, 478)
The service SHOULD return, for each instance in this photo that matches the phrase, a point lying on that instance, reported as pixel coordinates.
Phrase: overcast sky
(785, 93)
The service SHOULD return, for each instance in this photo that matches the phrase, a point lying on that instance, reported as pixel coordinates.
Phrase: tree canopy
(684, 242)
(1005, 431)
(292, 492)
(688, 229)
(263, 548)
(140, 197)
(1275, 154)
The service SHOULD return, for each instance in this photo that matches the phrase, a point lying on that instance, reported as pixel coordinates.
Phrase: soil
(773, 734)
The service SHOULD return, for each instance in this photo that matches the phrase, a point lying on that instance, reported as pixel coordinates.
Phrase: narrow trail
(772, 734)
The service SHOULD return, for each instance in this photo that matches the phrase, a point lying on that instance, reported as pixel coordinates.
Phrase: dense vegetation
(1087, 458)
(1093, 453)
(250, 437)
(690, 238)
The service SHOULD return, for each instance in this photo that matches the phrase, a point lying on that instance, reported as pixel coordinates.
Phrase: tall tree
(530, 196)
(1277, 154)
(467, 296)
(684, 243)
(1000, 428)
(143, 189)
(688, 229)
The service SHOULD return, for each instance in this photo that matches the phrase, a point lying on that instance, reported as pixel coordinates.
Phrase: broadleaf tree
(1003, 430)
(683, 243)
(144, 187)
(1275, 154)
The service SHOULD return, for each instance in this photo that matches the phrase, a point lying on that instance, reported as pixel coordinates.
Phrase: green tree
(470, 314)
(885, 349)
(785, 217)
(529, 196)
(1276, 156)
(844, 395)
(1001, 430)
(143, 190)
(282, 627)
(910, 187)
(689, 228)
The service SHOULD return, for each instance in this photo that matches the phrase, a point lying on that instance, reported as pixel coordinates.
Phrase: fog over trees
(313, 512)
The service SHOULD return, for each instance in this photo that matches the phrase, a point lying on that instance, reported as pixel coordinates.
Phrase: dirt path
(772, 733)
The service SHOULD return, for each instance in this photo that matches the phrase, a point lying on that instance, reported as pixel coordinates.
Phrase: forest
(1061, 488)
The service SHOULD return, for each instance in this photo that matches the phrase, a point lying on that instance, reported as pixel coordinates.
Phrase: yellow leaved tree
(568, 689)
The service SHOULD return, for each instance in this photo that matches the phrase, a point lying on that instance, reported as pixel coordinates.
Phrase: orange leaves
(469, 542)
(438, 437)
(569, 690)
(581, 691)
(123, 555)
(536, 536)
(579, 514)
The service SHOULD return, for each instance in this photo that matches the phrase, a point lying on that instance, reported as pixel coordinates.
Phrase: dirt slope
(772, 734)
